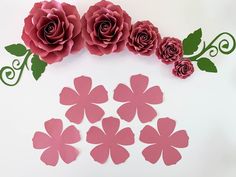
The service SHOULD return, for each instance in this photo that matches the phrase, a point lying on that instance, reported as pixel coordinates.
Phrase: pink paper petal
(100, 153)
(41, 140)
(125, 137)
(166, 126)
(68, 96)
(70, 135)
(127, 111)
(152, 153)
(149, 135)
(146, 113)
(94, 113)
(98, 95)
(119, 154)
(83, 85)
(179, 139)
(94, 50)
(153, 95)
(110, 125)
(75, 114)
(171, 156)
(68, 153)
(54, 127)
(50, 156)
(139, 83)
(95, 135)
(122, 93)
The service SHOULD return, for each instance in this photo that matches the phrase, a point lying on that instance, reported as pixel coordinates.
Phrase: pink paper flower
(53, 30)
(110, 141)
(84, 100)
(57, 142)
(105, 28)
(183, 68)
(170, 50)
(138, 99)
(144, 38)
(164, 141)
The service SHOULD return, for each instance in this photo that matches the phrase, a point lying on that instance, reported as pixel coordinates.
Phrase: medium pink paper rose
(144, 38)
(164, 141)
(53, 30)
(105, 28)
(170, 50)
(83, 100)
(138, 99)
(183, 68)
(57, 142)
(110, 141)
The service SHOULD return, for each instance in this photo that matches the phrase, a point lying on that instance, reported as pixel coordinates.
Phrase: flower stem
(8, 73)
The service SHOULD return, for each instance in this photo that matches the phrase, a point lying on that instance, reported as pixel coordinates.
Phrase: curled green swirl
(11, 75)
(223, 43)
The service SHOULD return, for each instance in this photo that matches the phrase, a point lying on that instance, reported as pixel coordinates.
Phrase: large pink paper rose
(53, 30)
(105, 28)
(144, 38)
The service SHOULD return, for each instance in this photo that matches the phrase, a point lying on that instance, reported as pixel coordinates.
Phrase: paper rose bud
(52, 30)
(170, 50)
(183, 68)
(105, 28)
(143, 38)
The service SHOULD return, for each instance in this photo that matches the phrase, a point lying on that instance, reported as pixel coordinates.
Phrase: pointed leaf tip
(38, 67)
(18, 50)
(191, 43)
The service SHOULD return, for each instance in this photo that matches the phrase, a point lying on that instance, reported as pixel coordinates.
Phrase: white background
(204, 104)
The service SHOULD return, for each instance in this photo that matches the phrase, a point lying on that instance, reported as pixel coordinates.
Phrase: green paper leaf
(191, 43)
(207, 65)
(18, 50)
(38, 67)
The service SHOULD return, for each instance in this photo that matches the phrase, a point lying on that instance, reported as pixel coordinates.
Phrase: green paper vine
(223, 43)
(11, 75)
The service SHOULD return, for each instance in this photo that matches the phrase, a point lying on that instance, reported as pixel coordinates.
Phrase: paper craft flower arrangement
(111, 139)
(53, 30)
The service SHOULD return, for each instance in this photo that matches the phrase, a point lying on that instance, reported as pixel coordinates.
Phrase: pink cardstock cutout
(56, 142)
(138, 99)
(84, 100)
(110, 141)
(163, 141)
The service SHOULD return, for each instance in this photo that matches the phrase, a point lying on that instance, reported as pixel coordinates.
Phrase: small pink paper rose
(138, 99)
(144, 38)
(110, 140)
(164, 141)
(57, 142)
(170, 50)
(52, 30)
(105, 28)
(183, 68)
(84, 100)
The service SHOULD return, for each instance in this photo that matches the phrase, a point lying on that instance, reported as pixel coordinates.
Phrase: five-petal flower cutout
(164, 141)
(110, 141)
(57, 142)
(138, 99)
(84, 100)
